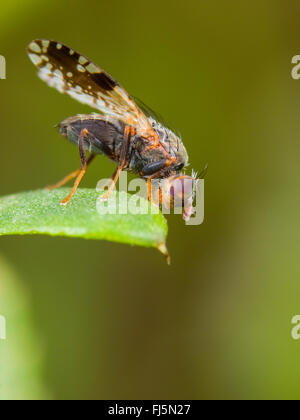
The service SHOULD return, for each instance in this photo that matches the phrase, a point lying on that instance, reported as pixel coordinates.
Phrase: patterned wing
(70, 72)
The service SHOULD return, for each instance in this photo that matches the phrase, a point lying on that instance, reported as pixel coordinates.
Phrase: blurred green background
(113, 322)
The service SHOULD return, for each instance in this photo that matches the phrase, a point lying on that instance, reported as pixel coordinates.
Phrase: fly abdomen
(104, 136)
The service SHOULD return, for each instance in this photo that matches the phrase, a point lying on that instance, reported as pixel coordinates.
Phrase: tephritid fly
(125, 132)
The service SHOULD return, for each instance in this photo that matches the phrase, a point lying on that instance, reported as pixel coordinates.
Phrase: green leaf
(40, 212)
(22, 359)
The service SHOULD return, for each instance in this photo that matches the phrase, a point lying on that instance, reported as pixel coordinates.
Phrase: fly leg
(153, 171)
(158, 192)
(107, 185)
(128, 132)
(68, 178)
(150, 195)
(81, 172)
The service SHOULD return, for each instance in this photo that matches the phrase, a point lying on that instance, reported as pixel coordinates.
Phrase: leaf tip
(164, 250)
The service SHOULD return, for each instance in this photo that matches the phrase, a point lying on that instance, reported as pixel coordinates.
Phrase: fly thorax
(171, 142)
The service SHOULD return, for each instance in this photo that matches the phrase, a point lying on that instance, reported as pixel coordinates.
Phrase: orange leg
(81, 172)
(112, 185)
(122, 162)
(108, 184)
(150, 196)
(150, 191)
(76, 185)
(69, 177)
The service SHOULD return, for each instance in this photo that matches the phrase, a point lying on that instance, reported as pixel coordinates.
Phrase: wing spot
(71, 52)
(92, 68)
(80, 68)
(45, 45)
(59, 46)
(45, 58)
(70, 74)
(35, 47)
(36, 59)
(82, 60)
(58, 73)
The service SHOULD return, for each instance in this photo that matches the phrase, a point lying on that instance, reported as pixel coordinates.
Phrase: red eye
(180, 189)
(182, 186)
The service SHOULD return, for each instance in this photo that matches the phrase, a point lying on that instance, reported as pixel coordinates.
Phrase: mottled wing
(70, 72)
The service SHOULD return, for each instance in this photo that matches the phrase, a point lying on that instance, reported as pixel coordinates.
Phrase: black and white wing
(69, 72)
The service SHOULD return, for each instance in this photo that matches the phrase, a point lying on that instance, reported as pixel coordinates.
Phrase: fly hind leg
(69, 177)
(84, 165)
(79, 174)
